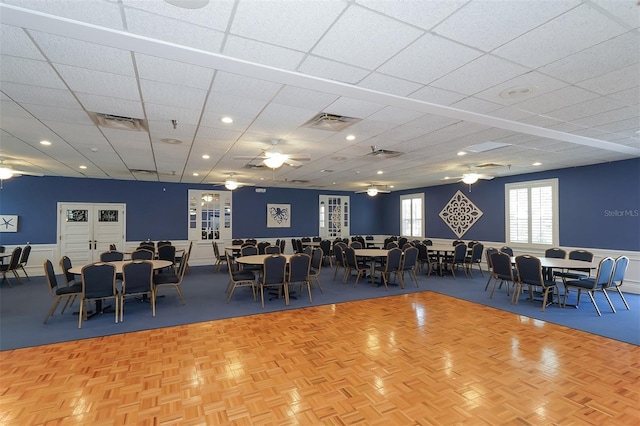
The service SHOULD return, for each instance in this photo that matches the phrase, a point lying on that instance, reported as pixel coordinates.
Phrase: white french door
(334, 216)
(86, 230)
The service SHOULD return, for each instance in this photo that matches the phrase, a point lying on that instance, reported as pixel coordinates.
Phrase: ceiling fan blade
(248, 157)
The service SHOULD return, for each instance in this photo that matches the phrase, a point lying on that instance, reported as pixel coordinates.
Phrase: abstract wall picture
(460, 214)
(8, 223)
(278, 215)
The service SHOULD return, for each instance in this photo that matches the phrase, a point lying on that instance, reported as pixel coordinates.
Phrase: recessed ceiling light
(227, 120)
(446, 178)
(83, 167)
(196, 174)
(379, 172)
(47, 143)
(461, 153)
(537, 163)
(93, 149)
(206, 157)
(350, 137)
(171, 141)
(518, 92)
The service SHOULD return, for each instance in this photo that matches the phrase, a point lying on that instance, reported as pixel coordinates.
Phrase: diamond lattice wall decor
(460, 214)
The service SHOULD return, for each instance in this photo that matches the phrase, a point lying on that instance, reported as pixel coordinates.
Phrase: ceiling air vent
(331, 122)
(383, 153)
(117, 122)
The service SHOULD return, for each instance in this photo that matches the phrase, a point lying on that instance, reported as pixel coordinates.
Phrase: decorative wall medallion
(278, 215)
(460, 214)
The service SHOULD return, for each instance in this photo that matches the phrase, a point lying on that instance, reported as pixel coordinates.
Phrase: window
(411, 216)
(532, 212)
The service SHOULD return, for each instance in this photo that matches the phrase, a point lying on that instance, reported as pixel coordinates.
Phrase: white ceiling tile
(571, 32)
(353, 107)
(364, 38)
(278, 119)
(614, 81)
(416, 12)
(172, 95)
(478, 75)
(625, 11)
(368, 128)
(539, 83)
(174, 72)
(248, 87)
(216, 133)
(436, 96)
(262, 53)
(170, 30)
(224, 104)
(561, 98)
(489, 24)
(213, 15)
(610, 116)
(113, 106)
(63, 50)
(430, 122)
(98, 12)
(428, 59)
(395, 115)
(48, 113)
(99, 83)
(29, 72)
(40, 95)
(78, 134)
(387, 84)
(332, 70)
(475, 105)
(628, 96)
(167, 113)
(597, 60)
(510, 113)
(585, 109)
(304, 98)
(16, 43)
(402, 133)
(297, 25)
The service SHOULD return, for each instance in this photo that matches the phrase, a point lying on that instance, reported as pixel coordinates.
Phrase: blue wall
(598, 207)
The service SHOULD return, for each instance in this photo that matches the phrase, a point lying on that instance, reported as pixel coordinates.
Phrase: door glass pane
(77, 216)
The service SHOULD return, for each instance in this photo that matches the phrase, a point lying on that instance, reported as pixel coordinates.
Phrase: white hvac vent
(383, 153)
(117, 122)
(331, 122)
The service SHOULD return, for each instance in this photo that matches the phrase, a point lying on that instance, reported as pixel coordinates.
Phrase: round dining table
(258, 259)
(157, 264)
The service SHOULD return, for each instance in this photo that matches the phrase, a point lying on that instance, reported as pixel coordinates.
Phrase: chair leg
(80, 313)
(52, 310)
(626, 305)
(609, 301)
(593, 301)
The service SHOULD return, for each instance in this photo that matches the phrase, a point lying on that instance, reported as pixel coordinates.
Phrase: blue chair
(501, 271)
(392, 265)
(299, 269)
(98, 283)
(274, 275)
(529, 272)
(591, 285)
(137, 278)
(617, 277)
(57, 292)
(408, 265)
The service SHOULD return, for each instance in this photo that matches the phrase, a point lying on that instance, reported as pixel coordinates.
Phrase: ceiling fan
(273, 158)
(232, 183)
(470, 178)
(7, 172)
(374, 190)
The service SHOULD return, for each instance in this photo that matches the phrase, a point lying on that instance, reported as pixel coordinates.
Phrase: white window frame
(553, 183)
(412, 197)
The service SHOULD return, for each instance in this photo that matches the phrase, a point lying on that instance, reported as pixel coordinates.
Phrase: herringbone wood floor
(419, 358)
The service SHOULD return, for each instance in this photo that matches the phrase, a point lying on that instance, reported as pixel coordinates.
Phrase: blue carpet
(23, 307)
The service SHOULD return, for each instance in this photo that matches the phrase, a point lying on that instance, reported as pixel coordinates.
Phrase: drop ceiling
(551, 82)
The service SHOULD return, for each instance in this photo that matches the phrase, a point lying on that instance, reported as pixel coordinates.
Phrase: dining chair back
(111, 256)
(352, 264)
(325, 245)
(262, 245)
(237, 242)
(57, 292)
(65, 265)
(555, 252)
(149, 245)
(506, 249)
(529, 271)
(282, 245)
(272, 250)
(408, 265)
(317, 258)
(576, 273)
(98, 282)
(617, 277)
(591, 285)
(142, 254)
(299, 270)
(501, 271)
(169, 279)
(338, 254)
(237, 279)
(356, 245)
(24, 258)
(167, 252)
(274, 275)
(137, 278)
(488, 253)
(458, 258)
(12, 266)
(475, 258)
(164, 243)
(427, 242)
(391, 265)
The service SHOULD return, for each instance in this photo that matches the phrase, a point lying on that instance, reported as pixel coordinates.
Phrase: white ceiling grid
(424, 77)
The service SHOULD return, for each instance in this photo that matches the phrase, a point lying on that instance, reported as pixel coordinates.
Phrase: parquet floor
(423, 359)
